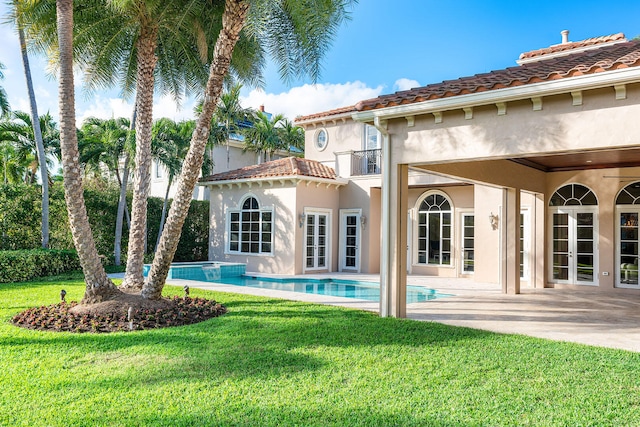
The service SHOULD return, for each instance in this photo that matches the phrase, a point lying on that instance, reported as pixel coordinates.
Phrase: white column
(511, 241)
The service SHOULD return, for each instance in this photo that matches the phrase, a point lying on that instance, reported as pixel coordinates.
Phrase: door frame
(343, 240)
(622, 209)
(572, 211)
(462, 213)
(317, 211)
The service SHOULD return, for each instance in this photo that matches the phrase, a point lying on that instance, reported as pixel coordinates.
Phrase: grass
(271, 362)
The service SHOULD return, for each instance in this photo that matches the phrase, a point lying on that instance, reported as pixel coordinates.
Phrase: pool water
(369, 291)
(234, 274)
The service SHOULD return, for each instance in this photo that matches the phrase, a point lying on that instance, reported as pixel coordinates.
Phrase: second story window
(372, 140)
(321, 139)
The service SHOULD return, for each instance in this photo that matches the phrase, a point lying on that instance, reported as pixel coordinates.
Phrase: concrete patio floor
(580, 316)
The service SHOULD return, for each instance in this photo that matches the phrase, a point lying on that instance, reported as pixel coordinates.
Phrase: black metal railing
(366, 162)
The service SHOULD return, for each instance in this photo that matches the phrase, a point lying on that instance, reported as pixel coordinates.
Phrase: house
(527, 176)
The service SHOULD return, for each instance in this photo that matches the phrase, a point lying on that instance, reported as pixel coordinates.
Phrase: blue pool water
(233, 274)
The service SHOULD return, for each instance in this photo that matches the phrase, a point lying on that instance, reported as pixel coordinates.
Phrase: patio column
(511, 241)
(393, 259)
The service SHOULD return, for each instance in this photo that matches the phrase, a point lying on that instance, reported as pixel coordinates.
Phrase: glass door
(467, 243)
(574, 239)
(628, 249)
(350, 240)
(316, 236)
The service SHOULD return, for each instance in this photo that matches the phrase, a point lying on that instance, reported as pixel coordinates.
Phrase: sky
(388, 45)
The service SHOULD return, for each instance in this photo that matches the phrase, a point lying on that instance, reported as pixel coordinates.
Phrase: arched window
(434, 230)
(250, 228)
(627, 235)
(573, 195)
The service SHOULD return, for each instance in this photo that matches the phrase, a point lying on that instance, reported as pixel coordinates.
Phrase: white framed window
(627, 236)
(321, 139)
(250, 228)
(372, 140)
(525, 244)
(434, 229)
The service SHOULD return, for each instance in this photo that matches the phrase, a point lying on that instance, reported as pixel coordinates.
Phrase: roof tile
(287, 167)
(599, 59)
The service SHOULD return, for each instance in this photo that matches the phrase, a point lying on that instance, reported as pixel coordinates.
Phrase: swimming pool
(234, 274)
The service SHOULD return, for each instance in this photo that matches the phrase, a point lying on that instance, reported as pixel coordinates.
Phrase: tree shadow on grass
(251, 415)
(257, 337)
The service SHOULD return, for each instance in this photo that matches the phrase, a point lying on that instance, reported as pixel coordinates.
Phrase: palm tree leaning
(35, 122)
(296, 33)
(98, 285)
(131, 42)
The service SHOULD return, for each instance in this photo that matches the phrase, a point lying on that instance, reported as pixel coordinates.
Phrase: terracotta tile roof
(599, 59)
(335, 112)
(287, 167)
(563, 47)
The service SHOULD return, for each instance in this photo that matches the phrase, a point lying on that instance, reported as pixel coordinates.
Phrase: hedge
(20, 215)
(22, 265)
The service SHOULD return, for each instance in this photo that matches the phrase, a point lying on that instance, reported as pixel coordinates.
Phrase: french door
(350, 225)
(468, 243)
(574, 240)
(316, 240)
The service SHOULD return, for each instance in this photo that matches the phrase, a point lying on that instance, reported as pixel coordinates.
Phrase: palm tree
(296, 33)
(98, 285)
(263, 136)
(34, 120)
(292, 137)
(169, 147)
(145, 45)
(106, 144)
(19, 130)
(103, 144)
(4, 100)
(227, 118)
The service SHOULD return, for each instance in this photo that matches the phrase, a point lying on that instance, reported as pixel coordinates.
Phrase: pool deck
(582, 316)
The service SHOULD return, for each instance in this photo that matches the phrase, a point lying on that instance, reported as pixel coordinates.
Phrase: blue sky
(388, 45)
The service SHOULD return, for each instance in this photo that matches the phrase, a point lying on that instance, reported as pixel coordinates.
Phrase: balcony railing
(366, 162)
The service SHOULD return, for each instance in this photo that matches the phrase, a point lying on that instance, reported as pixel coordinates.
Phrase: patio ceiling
(622, 158)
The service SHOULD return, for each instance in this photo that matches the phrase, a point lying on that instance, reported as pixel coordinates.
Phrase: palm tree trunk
(37, 132)
(146, 58)
(122, 204)
(122, 201)
(164, 212)
(98, 285)
(233, 20)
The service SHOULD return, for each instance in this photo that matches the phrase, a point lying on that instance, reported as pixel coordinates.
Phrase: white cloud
(106, 108)
(405, 84)
(309, 99)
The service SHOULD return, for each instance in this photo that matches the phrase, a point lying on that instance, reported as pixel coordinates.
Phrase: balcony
(366, 162)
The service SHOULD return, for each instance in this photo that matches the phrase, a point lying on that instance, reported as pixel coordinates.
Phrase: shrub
(21, 265)
(20, 215)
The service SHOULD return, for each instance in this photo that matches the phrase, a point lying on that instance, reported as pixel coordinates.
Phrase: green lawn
(274, 362)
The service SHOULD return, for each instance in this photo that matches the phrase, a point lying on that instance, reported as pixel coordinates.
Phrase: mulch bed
(112, 315)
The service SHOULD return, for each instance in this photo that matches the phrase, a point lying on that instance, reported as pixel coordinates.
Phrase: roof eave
(276, 179)
(533, 90)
